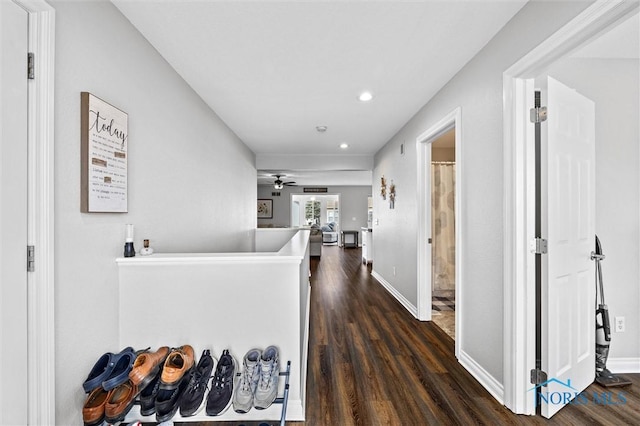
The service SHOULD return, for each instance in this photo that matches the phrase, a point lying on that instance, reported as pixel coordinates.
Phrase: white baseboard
(623, 365)
(395, 293)
(495, 388)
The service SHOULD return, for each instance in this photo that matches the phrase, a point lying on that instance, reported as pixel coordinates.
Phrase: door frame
(423, 146)
(320, 194)
(40, 221)
(519, 187)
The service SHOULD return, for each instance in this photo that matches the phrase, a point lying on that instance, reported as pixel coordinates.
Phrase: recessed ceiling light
(344, 145)
(321, 129)
(365, 96)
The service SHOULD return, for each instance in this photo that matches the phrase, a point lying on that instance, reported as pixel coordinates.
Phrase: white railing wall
(216, 301)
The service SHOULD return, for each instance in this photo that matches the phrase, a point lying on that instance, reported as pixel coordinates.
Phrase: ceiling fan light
(278, 186)
(344, 145)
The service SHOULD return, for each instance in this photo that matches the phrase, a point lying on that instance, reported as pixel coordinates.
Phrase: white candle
(129, 234)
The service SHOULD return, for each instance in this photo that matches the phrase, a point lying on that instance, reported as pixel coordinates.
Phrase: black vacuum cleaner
(604, 377)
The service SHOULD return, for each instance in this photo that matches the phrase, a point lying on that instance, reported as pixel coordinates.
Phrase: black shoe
(219, 398)
(167, 399)
(148, 395)
(192, 398)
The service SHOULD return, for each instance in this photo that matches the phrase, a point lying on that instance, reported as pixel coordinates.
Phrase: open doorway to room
(440, 231)
(574, 66)
(322, 210)
(443, 232)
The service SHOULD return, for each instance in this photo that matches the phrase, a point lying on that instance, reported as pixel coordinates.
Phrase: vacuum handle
(606, 325)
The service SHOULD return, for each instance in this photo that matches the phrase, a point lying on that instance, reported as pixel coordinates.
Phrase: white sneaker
(269, 371)
(246, 387)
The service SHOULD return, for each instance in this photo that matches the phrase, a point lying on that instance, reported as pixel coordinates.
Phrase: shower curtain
(443, 248)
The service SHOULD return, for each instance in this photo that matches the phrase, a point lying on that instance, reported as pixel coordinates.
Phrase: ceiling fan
(279, 184)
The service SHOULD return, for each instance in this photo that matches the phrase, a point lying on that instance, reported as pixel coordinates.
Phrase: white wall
(477, 90)
(353, 204)
(182, 160)
(613, 85)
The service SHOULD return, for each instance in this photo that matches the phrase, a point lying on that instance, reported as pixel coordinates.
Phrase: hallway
(372, 363)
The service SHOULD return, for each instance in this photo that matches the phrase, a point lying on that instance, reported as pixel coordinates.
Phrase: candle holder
(146, 250)
(129, 250)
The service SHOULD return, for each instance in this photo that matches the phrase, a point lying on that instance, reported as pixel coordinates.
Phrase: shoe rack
(278, 409)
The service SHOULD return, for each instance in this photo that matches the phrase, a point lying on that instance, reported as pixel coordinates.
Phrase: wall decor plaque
(104, 146)
(315, 190)
(265, 208)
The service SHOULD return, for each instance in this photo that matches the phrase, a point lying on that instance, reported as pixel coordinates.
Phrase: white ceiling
(274, 70)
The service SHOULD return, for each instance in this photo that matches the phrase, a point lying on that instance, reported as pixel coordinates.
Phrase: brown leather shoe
(93, 408)
(120, 401)
(177, 364)
(146, 366)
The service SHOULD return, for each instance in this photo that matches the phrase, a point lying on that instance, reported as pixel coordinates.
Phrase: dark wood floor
(372, 363)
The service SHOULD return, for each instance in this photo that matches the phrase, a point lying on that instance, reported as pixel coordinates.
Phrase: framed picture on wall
(103, 150)
(265, 209)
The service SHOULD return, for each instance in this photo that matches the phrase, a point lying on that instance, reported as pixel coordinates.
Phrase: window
(333, 214)
(312, 212)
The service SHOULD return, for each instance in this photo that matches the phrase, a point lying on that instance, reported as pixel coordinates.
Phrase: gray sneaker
(246, 387)
(269, 371)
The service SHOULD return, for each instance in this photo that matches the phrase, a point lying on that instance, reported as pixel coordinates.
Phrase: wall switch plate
(619, 326)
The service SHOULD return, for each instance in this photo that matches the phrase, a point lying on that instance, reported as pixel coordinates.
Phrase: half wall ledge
(217, 301)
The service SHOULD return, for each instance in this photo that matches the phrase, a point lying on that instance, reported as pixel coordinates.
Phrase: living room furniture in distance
(349, 239)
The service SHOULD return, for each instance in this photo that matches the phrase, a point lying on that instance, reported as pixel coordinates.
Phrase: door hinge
(538, 114)
(538, 246)
(31, 258)
(30, 66)
(538, 377)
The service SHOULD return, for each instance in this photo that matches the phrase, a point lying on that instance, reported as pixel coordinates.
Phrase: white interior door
(568, 288)
(13, 214)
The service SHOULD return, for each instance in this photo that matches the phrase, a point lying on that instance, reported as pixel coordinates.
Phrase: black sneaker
(219, 398)
(167, 399)
(148, 395)
(192, 399)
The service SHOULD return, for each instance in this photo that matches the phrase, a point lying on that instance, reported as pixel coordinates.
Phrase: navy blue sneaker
(219, 398)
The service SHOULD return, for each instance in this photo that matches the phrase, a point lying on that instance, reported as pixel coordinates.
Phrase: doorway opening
(519, 243)
(444, 274)
(317, 209)
(443, 232)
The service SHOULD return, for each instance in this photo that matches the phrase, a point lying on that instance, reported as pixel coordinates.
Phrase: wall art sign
(315, 190)
(265, 209)
(104, 146)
